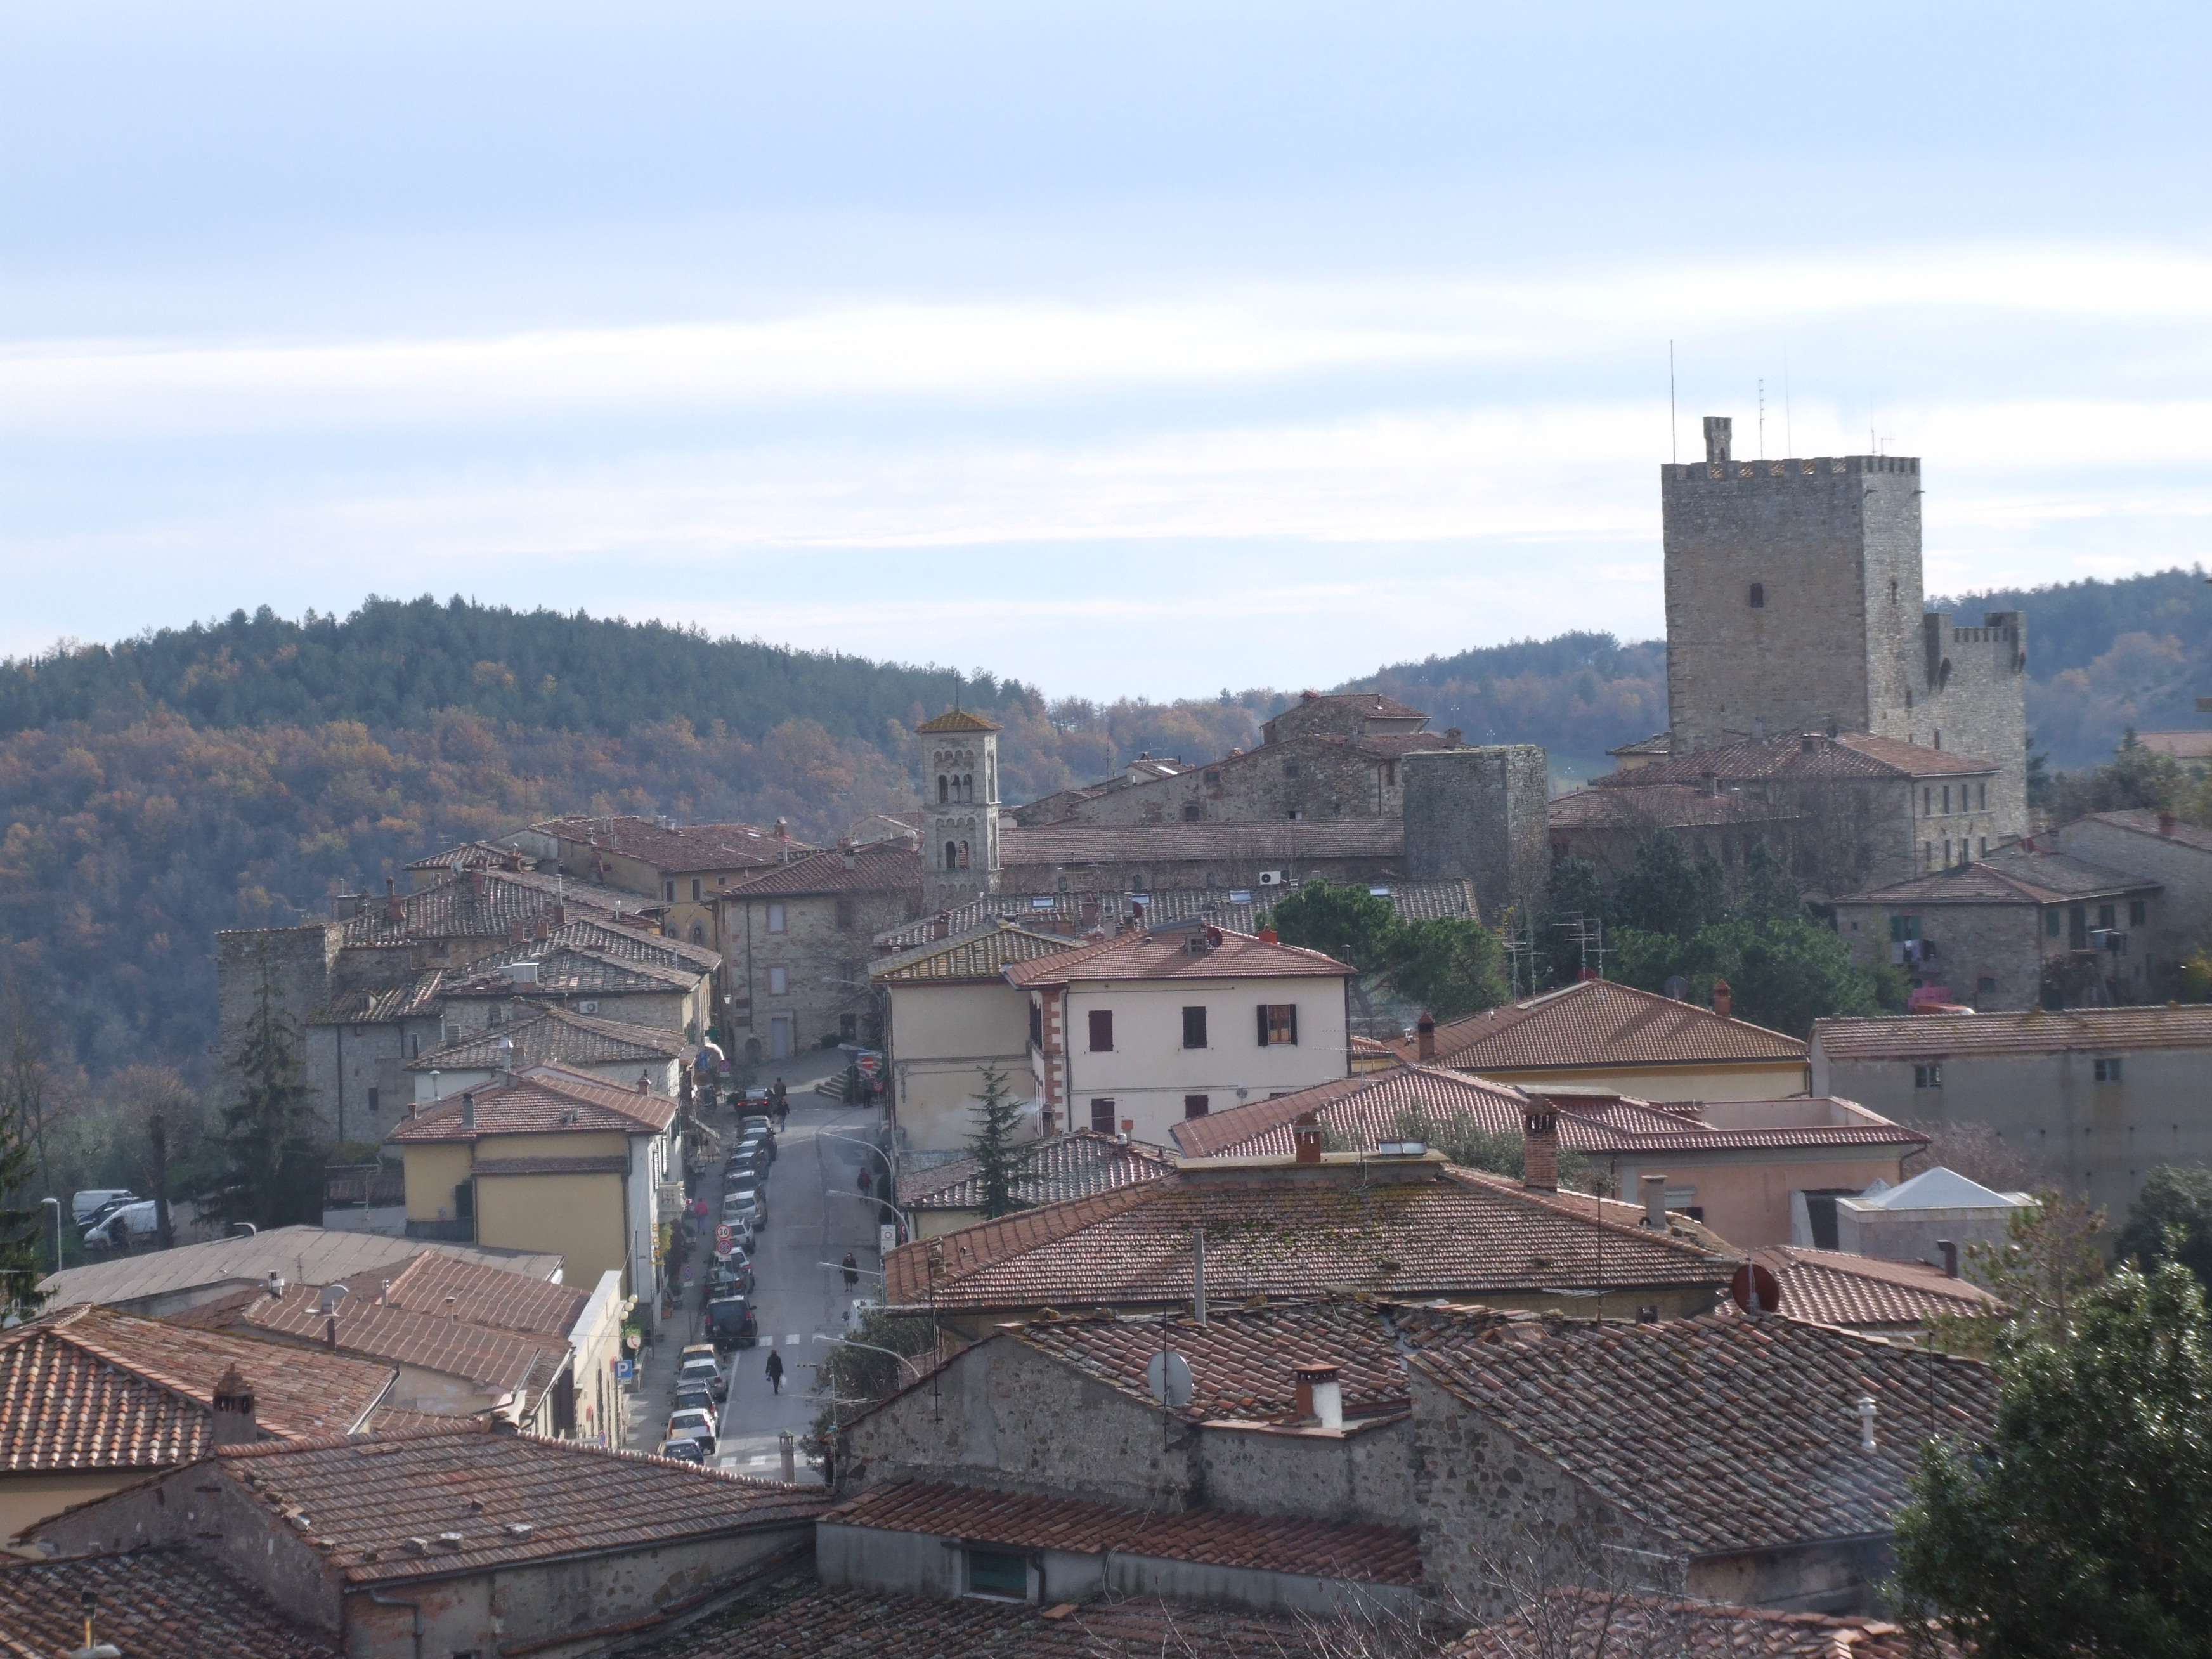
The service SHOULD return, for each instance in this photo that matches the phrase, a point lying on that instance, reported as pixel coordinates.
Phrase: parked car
(732, 1277)
(685, 1451)
(87, 1205)
(753, 1120)
(764, 1140)
(733, 1323)
(693, 1398)
(743, 1208)
(704, 1371)
(129, 1223)
(694, 1425)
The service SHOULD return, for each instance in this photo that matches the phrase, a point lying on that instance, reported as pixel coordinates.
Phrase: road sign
(723, 1236)
(623, 1371)
(887, 1238)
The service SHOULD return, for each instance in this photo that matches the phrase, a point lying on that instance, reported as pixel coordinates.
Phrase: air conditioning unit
(1275, 878)
(587, 1007)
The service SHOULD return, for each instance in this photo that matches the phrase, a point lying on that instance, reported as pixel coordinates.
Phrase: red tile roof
(675, 849)
(1597, 1022)
(983, 955)
(1720, 1433)
(1313, 1549)
(1868, 1292)
(150, 1602)
(566, 969)
(453, 908)
(368, 1496)
(1164, 953)
(1811, 757)
(1240, 1359)
(2146, 822)
(957, 719)
(540, 1100)
(1412, 1229)
(1063, 1166)
(485, 1295)
(554, 1037)
(877, 867)
(492, 1360)
(2026, 1032)
(2011, 875)
(1413, 901)
(1366, 1110)
(1589, 1624)
(1666, 805)
(844, 1624)
(92, 1389)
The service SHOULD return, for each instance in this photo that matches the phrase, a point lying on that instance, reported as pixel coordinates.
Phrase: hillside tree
(272, 1157)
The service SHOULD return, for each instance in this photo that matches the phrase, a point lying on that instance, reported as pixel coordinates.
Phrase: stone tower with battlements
(959, 806)
(1794, 604)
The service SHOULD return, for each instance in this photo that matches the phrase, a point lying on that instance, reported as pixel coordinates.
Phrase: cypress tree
(272, 1155)
(997, 1159)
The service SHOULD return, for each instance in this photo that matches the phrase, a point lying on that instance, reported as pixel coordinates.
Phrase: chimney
(540, 928)
(560, 915)
(1723, 1000)
(782, 830)
(331, 1330)
(643, 1087)
(850, 855)
(519, 934)
(478, 884)
(1269, 936)
(234, 1410)
(1655, 1201)
(1718, 428)
(1424, 1034)
(1540, 1133)
(1451, 737)
(1305, 1137)
(394, 908)
(1090, 912)
(469, 1111)
(1128, 1127)
(940, 924)
(1867, 1411)
(2166, 824)
(1320, 1394)
(1950, 1257)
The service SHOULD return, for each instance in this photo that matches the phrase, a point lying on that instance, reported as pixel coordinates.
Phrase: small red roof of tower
(956, 719)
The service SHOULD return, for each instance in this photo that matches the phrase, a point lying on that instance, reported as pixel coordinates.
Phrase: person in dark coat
(775, 1371)
(852, 1272)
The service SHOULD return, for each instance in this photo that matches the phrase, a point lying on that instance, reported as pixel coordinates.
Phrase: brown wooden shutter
(1263, 1025)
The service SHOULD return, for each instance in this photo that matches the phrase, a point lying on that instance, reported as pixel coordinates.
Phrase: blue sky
(1143, 348)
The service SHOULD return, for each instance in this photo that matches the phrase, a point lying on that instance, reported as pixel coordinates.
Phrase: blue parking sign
(623, 1371)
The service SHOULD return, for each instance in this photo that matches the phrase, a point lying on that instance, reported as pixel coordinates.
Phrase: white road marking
(793, 1340)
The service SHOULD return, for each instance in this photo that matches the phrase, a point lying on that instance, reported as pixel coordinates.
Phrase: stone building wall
(824, 951)
(1355, 1477)
(2181, 918)
(1481, 814)
(1971, 699)
(1302, 776)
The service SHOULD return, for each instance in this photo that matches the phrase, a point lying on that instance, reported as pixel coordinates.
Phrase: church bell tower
(960, 807)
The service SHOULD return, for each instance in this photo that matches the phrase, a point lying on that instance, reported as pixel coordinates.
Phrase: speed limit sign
(723, 1236)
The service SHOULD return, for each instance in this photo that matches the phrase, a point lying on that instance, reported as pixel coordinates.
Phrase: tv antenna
(1674, 426)
(1587, 932)
(1762, 417)
(1518, 946)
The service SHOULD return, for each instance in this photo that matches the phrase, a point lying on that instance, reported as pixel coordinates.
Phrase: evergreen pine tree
(271, 1143)
(22, 1257)
(997, 1160)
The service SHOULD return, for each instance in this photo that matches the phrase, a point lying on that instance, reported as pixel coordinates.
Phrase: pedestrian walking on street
(775, 1371)
(852, 1272)
(867, 1182)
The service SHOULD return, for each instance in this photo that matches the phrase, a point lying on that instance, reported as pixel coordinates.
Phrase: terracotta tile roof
(982, 955)
(565, 970)
(485, 1294)
(1366, 1110)
(1164, 953)
(1588, 1623)
(1597, 1022)
(877, 867)
(1413, 901)
(1064, 1166)
(555, 1036)
(674, 849)
(465, 855)
(1287, 841)
(1720, 1433)
(381, 1004)
(1666, 805)
(1241, 1359)
(1660, 743)
(845, 1624)
(2012, 875)
(957, 719)
(1830, 1287)
(2026, 1032)
(1411, 1230)
(628, 943)
(1812, 757)
(453, 908)
(318, 1255)
(369, 1494)
(1363, 1554)
(2145, 822)
(92, 1389)
(540, 1100)
(150, 1602)
(491, 1360)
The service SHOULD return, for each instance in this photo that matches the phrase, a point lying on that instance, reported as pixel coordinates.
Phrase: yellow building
(545, 1159)
(1596, 1035)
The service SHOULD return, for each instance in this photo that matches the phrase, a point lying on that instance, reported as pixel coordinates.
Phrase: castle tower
(960, 805)
(1794, 604)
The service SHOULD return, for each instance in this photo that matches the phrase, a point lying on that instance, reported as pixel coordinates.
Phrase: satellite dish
(1170, 1375)
(1677, 988)
(332, 1295)
(1753, 1279)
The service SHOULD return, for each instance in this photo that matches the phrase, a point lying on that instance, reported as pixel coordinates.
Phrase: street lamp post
(847, 1342)
(57, 1203)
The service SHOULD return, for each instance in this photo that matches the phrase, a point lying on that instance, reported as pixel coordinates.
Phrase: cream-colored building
(952, 1015)
(547, 1159)
(1595, 1033)
(2094, 1099)
(1138, 1032)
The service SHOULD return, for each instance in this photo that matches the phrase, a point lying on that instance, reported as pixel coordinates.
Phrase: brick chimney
(1090, 912)
(1723, 1000)
(1424, 1036)
(394, 909)
(940, 924)
(1319, 1394)
(480, 884)
(1305, 1137)
(1540, 1132)
(1269, 936)
(234, 1410)
(560, 915)
(519, 934)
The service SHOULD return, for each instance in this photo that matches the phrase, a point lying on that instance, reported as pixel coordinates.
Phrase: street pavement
(799, 1300)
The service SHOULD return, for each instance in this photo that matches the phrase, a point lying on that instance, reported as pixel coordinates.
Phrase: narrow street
(799, 1293)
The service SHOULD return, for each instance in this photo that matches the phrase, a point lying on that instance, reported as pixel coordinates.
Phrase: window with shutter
(1278, 1023)
(1036, 1026)
(1101, 1030)
(1196, 1105)
(1194, 1027)
(1102, 1117)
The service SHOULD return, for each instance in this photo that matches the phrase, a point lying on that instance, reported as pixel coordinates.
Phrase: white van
(132, 1225)
(88, 1203)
